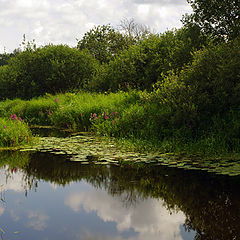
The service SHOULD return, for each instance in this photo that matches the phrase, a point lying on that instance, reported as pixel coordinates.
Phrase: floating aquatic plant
(87, 149)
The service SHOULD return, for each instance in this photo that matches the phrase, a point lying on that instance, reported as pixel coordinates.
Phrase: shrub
(51, 69)
(208, 86)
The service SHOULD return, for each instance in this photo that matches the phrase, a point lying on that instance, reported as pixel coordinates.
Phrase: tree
(206, 87)
(103, 42)
(147, 62)
(4, 57)
(133, 30)
(51, 69)
(218, 18)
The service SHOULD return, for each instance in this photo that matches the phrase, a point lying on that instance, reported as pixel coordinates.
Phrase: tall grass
(14, 132)
(68, 110)
(140, 124)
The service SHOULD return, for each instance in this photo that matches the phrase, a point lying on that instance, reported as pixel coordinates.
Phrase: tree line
(193, 68)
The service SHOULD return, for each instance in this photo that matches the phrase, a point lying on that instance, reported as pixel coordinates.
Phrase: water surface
(47, 196)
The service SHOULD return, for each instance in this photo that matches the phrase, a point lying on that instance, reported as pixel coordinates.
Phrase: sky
(64, 21)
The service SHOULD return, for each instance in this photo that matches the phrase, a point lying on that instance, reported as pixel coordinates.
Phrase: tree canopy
(218, 18)
(103, 42)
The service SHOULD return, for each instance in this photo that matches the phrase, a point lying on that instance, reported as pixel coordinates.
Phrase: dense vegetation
(179, 89)
(14, 132)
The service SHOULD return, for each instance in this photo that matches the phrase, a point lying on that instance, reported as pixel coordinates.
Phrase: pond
(51, 195)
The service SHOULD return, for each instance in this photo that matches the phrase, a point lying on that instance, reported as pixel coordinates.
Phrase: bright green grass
(14, 132)
(137, 124)
(68, 110)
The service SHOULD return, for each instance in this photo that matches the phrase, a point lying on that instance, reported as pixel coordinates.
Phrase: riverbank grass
(134, 122)
(14, 132)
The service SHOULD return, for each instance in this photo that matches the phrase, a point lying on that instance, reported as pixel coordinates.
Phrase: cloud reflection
(37, 220)
(149, 218)
(12, 181)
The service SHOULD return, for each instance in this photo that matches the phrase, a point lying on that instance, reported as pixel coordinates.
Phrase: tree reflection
(211, 203)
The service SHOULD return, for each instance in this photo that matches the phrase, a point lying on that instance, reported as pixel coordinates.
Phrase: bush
(50, 69)
(214, 78)
(208, 86)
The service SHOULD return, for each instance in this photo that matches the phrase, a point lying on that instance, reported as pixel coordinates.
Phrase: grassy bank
(14, 132)
(135, 122)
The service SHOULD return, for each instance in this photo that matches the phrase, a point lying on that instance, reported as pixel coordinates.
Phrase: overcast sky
(62, 21)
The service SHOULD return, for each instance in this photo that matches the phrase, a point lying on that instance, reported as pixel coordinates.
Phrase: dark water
(44, 196)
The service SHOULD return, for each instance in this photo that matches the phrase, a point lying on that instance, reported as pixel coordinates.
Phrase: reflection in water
(149, 217)
(37, 220)
(1, 210)
(138, 201)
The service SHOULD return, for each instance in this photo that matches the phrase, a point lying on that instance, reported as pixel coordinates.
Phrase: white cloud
(63, 21)
(149, 218)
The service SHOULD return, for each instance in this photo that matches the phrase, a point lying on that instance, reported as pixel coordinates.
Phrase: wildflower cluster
(14, 132)
(110, 117)
(106, 123)
(14, 117)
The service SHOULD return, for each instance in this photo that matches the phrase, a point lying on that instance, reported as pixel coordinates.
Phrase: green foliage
(77, 112)
(51, 69)
(68, 110)
(124, 64)
(35, 111)
(144, 64)
(208, 86)
(4, 59)
(145, 122)
(219, 19)
(14, 132)
(214, 78)
(203, 102)
(194, 103)
(7, 82)
(103, 42)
